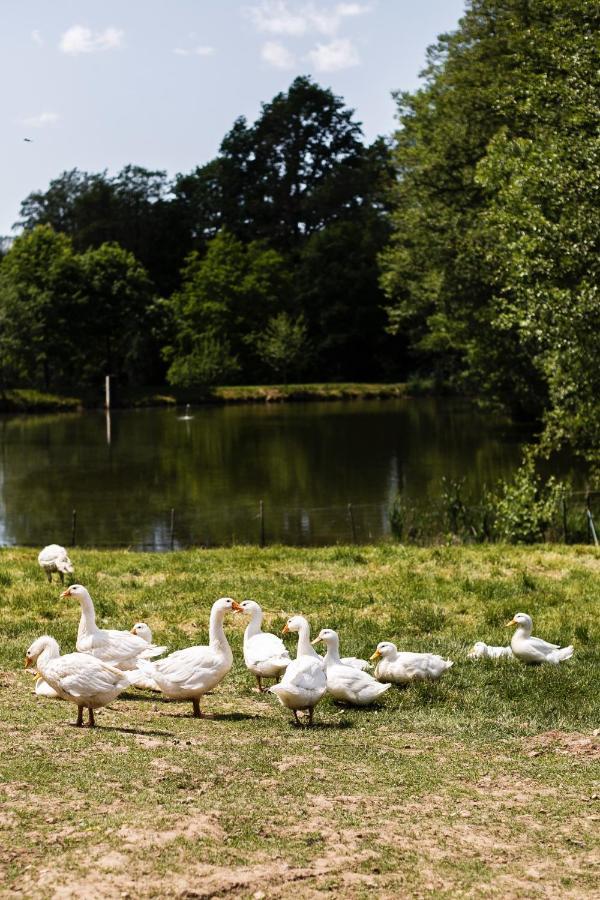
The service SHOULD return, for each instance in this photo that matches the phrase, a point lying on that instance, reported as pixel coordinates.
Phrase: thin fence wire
(261, 524)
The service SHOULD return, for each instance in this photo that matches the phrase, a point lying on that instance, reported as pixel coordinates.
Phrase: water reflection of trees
(303, 460)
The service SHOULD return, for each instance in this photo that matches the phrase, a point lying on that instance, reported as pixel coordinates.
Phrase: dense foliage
(260, 264)
(493, 261)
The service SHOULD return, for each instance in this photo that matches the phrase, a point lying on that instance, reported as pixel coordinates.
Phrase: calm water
(123, 475)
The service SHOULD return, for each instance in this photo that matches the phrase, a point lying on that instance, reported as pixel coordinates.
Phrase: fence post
(564, 518)
(352, 523)
(172, 534)
(73, 527)
(261, 513)
(590, 519)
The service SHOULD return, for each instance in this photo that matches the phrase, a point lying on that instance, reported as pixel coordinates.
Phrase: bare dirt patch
(566, 743)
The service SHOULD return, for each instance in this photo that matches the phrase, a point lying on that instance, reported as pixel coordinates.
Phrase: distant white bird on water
(533, 649)
(186, 417)
(54, 558)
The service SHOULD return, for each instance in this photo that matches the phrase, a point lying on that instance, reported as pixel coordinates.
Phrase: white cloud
(202, 50)
(336, 55)
(39, 121)
(296, 19)
(80, 39)
(277, 55)
(37, 38)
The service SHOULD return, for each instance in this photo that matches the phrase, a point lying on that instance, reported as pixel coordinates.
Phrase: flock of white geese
(108, 661)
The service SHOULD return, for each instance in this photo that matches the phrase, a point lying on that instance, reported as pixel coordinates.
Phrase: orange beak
(512, 622)
(27, 662)
(376, 655)
(66, 593)
(285, 629)
(236, 606)
(131, 630)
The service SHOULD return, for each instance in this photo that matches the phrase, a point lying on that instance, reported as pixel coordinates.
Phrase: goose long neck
(332, 657)
(216, 632)
(87, 622)
(305, 648)
(254, 624)
(523, 631)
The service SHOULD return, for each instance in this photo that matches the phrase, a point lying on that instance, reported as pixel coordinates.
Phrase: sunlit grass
(483, 781)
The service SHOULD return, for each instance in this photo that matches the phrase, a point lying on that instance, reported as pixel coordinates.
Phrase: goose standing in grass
(265, 654)
(300, 625)
(189, 674)
(303, 684)
(54, 558)
(345, 682)
(78, 677)
(121, 649)
(481, 650)
(404, 667)
(533, 649)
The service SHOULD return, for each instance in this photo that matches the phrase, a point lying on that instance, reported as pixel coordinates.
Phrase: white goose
(143, 631)
(344, 682)
(265, 654)
(404, 667)
(189, 674)
(532, 649)
(304, 683)
(54, 558)
(481, 650)
(300, 625)
(77, 677)
(117, 648)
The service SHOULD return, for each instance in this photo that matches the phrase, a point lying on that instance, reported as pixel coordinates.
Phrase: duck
(302, 686)
(118, 648)
(404, 668)
(345, 682)
(54, 558)
(189, 674)
(78, 677)
(481, 650)
(533, 649)
(143, 631)
(265, 654)
(300, 625)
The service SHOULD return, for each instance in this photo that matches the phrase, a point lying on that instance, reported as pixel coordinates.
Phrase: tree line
(465, 247)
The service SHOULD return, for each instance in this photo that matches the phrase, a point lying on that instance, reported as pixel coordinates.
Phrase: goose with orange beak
(265, 654)
(344, 682)
(403, 667)
(533, 649)
(189, 674)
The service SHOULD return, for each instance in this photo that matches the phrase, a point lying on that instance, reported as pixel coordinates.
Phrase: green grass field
(486, 782)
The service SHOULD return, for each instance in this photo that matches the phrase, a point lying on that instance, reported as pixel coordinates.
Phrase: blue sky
(97, 84)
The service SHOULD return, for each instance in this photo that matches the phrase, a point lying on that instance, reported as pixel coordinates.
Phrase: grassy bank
(486, 781)
(20, 401)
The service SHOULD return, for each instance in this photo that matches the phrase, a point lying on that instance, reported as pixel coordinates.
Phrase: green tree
(284, 345)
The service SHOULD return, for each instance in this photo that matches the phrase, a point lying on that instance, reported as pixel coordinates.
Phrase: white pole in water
(107, 392)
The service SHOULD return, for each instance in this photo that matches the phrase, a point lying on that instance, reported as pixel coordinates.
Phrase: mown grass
(485, 782)
(20, 400)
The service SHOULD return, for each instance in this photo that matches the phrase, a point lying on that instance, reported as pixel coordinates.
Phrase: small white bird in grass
(189, 674)
(533, 649)
(344, 682)
(265, 654)
(304, 683)
(481, 650)
(117, 648)
(54, 558)
(404, 667)
(143, 631)
(77, 677)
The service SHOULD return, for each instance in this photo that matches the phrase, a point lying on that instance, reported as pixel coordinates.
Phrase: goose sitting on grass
(300, 625)
(265, 654)
(54, 558)
(77, 677)
(481, 650)
(121, 649)
(533, 649)
(143, 631)
(344, 682)
(404, 667)
(189, 674)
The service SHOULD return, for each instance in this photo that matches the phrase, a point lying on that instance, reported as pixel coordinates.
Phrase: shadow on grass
(144, 732)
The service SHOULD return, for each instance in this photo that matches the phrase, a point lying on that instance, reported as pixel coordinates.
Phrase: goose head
(523, 620)
(250, 607)
(142, 630)
(226, 604)
(65, 565)
(41, 644)
(77, 591)
(386, 650)
(294, 623)
(328, 636)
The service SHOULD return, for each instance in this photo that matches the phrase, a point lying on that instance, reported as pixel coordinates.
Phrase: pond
(124, 473)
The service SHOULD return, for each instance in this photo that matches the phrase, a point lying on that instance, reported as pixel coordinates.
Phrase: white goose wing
(264, 646)
(187, 668)
(542, 646)
(83, 676)
(117, 647)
